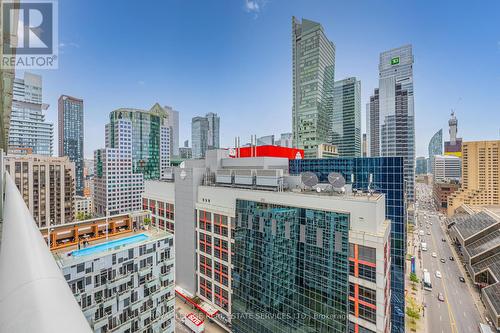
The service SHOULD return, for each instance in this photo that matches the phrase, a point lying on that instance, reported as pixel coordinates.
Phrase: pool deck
(62, 258)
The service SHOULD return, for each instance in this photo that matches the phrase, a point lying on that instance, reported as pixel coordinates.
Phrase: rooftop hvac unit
(270, 178)
(244, 177)
(224, 176)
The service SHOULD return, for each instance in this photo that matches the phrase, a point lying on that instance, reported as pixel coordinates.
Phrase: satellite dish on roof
(337, 181)
(308, 178)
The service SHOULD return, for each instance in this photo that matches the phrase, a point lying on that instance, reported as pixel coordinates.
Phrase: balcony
(32, 287)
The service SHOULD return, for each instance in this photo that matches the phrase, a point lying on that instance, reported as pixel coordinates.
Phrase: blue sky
(233, 57)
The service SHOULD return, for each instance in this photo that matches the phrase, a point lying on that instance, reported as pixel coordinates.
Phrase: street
(458, 312)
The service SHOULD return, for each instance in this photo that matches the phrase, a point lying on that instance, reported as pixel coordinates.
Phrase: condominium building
(70, 124)
(385, 175)
(313, 58)
(199, 136)
(267, 140)
(28, 128)
(390, 114)
(285, 140)
(122, 280)
(346, 119)
(480, 176)
(446, 167)
(435, 148)
(84, 207)
(185, 153)
(159, 199)
(150, 140)
(47, 185)
(117, 188)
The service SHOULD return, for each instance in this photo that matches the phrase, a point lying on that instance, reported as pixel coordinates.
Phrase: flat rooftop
(469, 225)
(72, 255)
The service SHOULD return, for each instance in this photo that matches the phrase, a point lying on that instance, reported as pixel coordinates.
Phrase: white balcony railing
(34, 296)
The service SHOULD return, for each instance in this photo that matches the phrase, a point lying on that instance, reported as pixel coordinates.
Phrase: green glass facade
(145, 139)
(313, 79)
(290, 270)
(346, 121)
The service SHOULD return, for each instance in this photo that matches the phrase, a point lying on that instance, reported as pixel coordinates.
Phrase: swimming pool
(109, 245)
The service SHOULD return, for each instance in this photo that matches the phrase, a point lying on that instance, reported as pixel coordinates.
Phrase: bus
(427, 281)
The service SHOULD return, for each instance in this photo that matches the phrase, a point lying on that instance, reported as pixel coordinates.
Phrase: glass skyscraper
(384, 175)
(150, 139)
(313, 57)
(213, 130)
(286, 278)
(346, 120)
(199, 136)
(28, 129)
(435, 148)
(70, 126)
(390, 113)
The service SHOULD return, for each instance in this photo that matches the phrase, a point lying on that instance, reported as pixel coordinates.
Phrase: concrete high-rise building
(480, 176)
(446, 168)
(199, 136)
(117, 188)
(454, 146)
(28, 128)
(391, 116)
(267, 140)
(421, 168)
(346, 119)
(47, 185)
(213, 141)
(173, 122)
(70, 129)
(124, 281)
(313, 71)
(150, 140)
(435, 148)
(385, 174)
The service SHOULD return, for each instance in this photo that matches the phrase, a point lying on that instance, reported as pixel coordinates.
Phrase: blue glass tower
(387, 177)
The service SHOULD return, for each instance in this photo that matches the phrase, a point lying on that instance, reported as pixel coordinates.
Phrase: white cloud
(141, 83)
(70, 44)
(252, 6)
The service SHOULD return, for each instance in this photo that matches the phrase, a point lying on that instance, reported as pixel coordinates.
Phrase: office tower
(159, 199)
(267, 140)
(47, 185)
(173, 122)
(384, 175)
(313, 72)
(213, 130)
(186, 143)
(117, 188)
(480, 176)
(286, 140)
(391, 117)
(123, 281)
(346, 120)
(446, 167)
(454, 146)
(150, 139)
(435, 148)
(421, 168)
(28, 128)
(199, 136)
(364, 146)
(70, 125)
(185, 153)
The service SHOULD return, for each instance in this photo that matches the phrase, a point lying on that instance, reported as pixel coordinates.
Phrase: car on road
(441, 297)
(452, 259)
(461, 279)
(428, 232)
(430, 223)
(434, 255)
(442, 260)
(438, 274)
(443, 239)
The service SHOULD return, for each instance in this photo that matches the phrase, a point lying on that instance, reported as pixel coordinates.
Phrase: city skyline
(245, 36)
